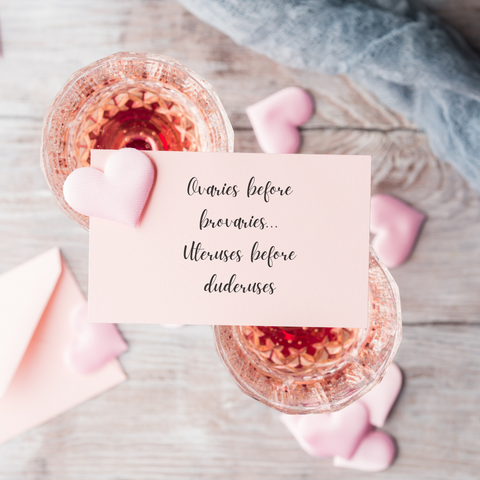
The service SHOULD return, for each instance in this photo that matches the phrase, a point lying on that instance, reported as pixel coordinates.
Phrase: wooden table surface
(180, 415)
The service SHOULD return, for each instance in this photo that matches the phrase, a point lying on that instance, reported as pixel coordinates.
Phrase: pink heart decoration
(375, 454)
(396, 227)
(330, 434)
(119, 194)
(275, 119)
(347, 435)
(380, 399)
(95, 343)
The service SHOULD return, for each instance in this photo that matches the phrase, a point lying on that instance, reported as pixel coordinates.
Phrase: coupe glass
(316, 370)
(137, 100)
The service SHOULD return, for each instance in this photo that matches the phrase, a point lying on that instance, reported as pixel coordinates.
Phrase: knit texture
(406, 57)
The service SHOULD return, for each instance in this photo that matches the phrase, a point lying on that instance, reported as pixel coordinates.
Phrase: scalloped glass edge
(335, 389)
(59, 113)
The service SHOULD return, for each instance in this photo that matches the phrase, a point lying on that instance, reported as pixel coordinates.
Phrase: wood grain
(180, 415)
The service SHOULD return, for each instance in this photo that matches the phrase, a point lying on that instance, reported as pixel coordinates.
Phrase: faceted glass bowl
(73, 113)
(322, 387)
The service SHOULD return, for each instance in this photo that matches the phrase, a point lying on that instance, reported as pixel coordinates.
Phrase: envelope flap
(24, 294)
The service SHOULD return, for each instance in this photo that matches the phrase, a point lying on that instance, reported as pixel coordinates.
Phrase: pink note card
(239, 238)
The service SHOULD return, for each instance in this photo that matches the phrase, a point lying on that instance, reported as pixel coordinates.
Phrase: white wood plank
(181, 416)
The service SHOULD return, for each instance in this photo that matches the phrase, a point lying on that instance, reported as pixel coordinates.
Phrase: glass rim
(51, 139)
(329, 405)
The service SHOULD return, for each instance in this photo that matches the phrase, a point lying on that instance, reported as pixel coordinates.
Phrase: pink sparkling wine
(135, 118)
(316, 370)
(136, 100)
(297, 349)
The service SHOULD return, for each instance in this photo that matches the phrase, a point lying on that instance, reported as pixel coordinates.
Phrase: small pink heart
(275, 119)
(375, 454)
(95, 343)
(119, 194)
(381, 398)
(396, 227)
(330, 434)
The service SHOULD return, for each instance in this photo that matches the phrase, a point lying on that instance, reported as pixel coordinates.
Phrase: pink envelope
(36, 299)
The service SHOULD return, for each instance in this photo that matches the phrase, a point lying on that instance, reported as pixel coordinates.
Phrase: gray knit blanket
(405, 56)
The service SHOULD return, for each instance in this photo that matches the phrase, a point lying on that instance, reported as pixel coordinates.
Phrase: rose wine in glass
(136, 100)
(316, 370)
(135, 118)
